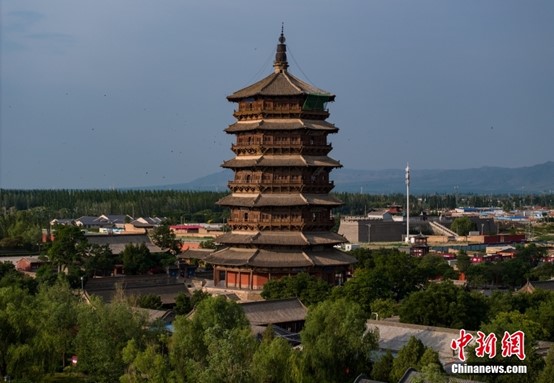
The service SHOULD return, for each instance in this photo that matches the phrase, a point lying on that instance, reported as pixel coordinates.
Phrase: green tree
(543, 314)
(364, 257)
(433, 266)
(9, 276)
(483, 274)
(46, 275)
(431, 357)
(548, 372)
(336, 344)
(542, 272)
(432, 373)
(511, 322)
(137, 259)
(150, 301)
(165, 238)
(184, 304)
(383, 367)
(307, 288)
(270, 363)
(531, 254)
(229, 356)
(384, 308)
(446, 305)
(17, 330)
(31, 348)
(393, 276)
(148, 366)
(57, 306)
(192, 343)
(208, 244)
(98, 260)
(104, 330)
(463, 262)
(66, 250)
(462, 225)
(408, 357)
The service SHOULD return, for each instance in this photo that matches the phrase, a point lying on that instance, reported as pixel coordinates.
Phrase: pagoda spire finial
(280, 64)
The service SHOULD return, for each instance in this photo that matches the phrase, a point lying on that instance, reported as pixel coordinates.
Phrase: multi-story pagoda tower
(280, 205)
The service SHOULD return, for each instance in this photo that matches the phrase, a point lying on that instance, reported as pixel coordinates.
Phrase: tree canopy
(445, 305)
(462, 225)
(336, 344)
(307, 288)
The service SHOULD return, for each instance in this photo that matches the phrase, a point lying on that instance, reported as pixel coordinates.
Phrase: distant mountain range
(484, 180)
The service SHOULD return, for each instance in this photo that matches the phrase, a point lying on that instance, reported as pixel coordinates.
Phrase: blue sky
(102, 94)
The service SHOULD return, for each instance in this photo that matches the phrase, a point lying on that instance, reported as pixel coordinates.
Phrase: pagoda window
(245, 216)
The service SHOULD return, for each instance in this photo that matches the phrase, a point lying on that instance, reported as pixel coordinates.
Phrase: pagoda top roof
(280, 83)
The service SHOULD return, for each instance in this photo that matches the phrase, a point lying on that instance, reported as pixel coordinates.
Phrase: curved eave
(280, 84)
(291, 238)
(284, 258)
(281, 124)
(288, 199)
(281, 160)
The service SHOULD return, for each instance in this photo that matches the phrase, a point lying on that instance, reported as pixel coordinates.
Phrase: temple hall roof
(274, 311)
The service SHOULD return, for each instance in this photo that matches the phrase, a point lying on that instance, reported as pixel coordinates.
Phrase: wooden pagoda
(280, 217)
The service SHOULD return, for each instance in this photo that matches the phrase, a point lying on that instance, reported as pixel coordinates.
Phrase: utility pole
(407, 202)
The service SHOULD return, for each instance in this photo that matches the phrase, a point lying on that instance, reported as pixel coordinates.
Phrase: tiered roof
(279, 84)
(290, 258)
(281, 160)
(283, 199)
(252, 246)
(281, 124)
(292, 238)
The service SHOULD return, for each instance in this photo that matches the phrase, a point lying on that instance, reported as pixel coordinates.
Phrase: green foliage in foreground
(114, 343)
(336, 345)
